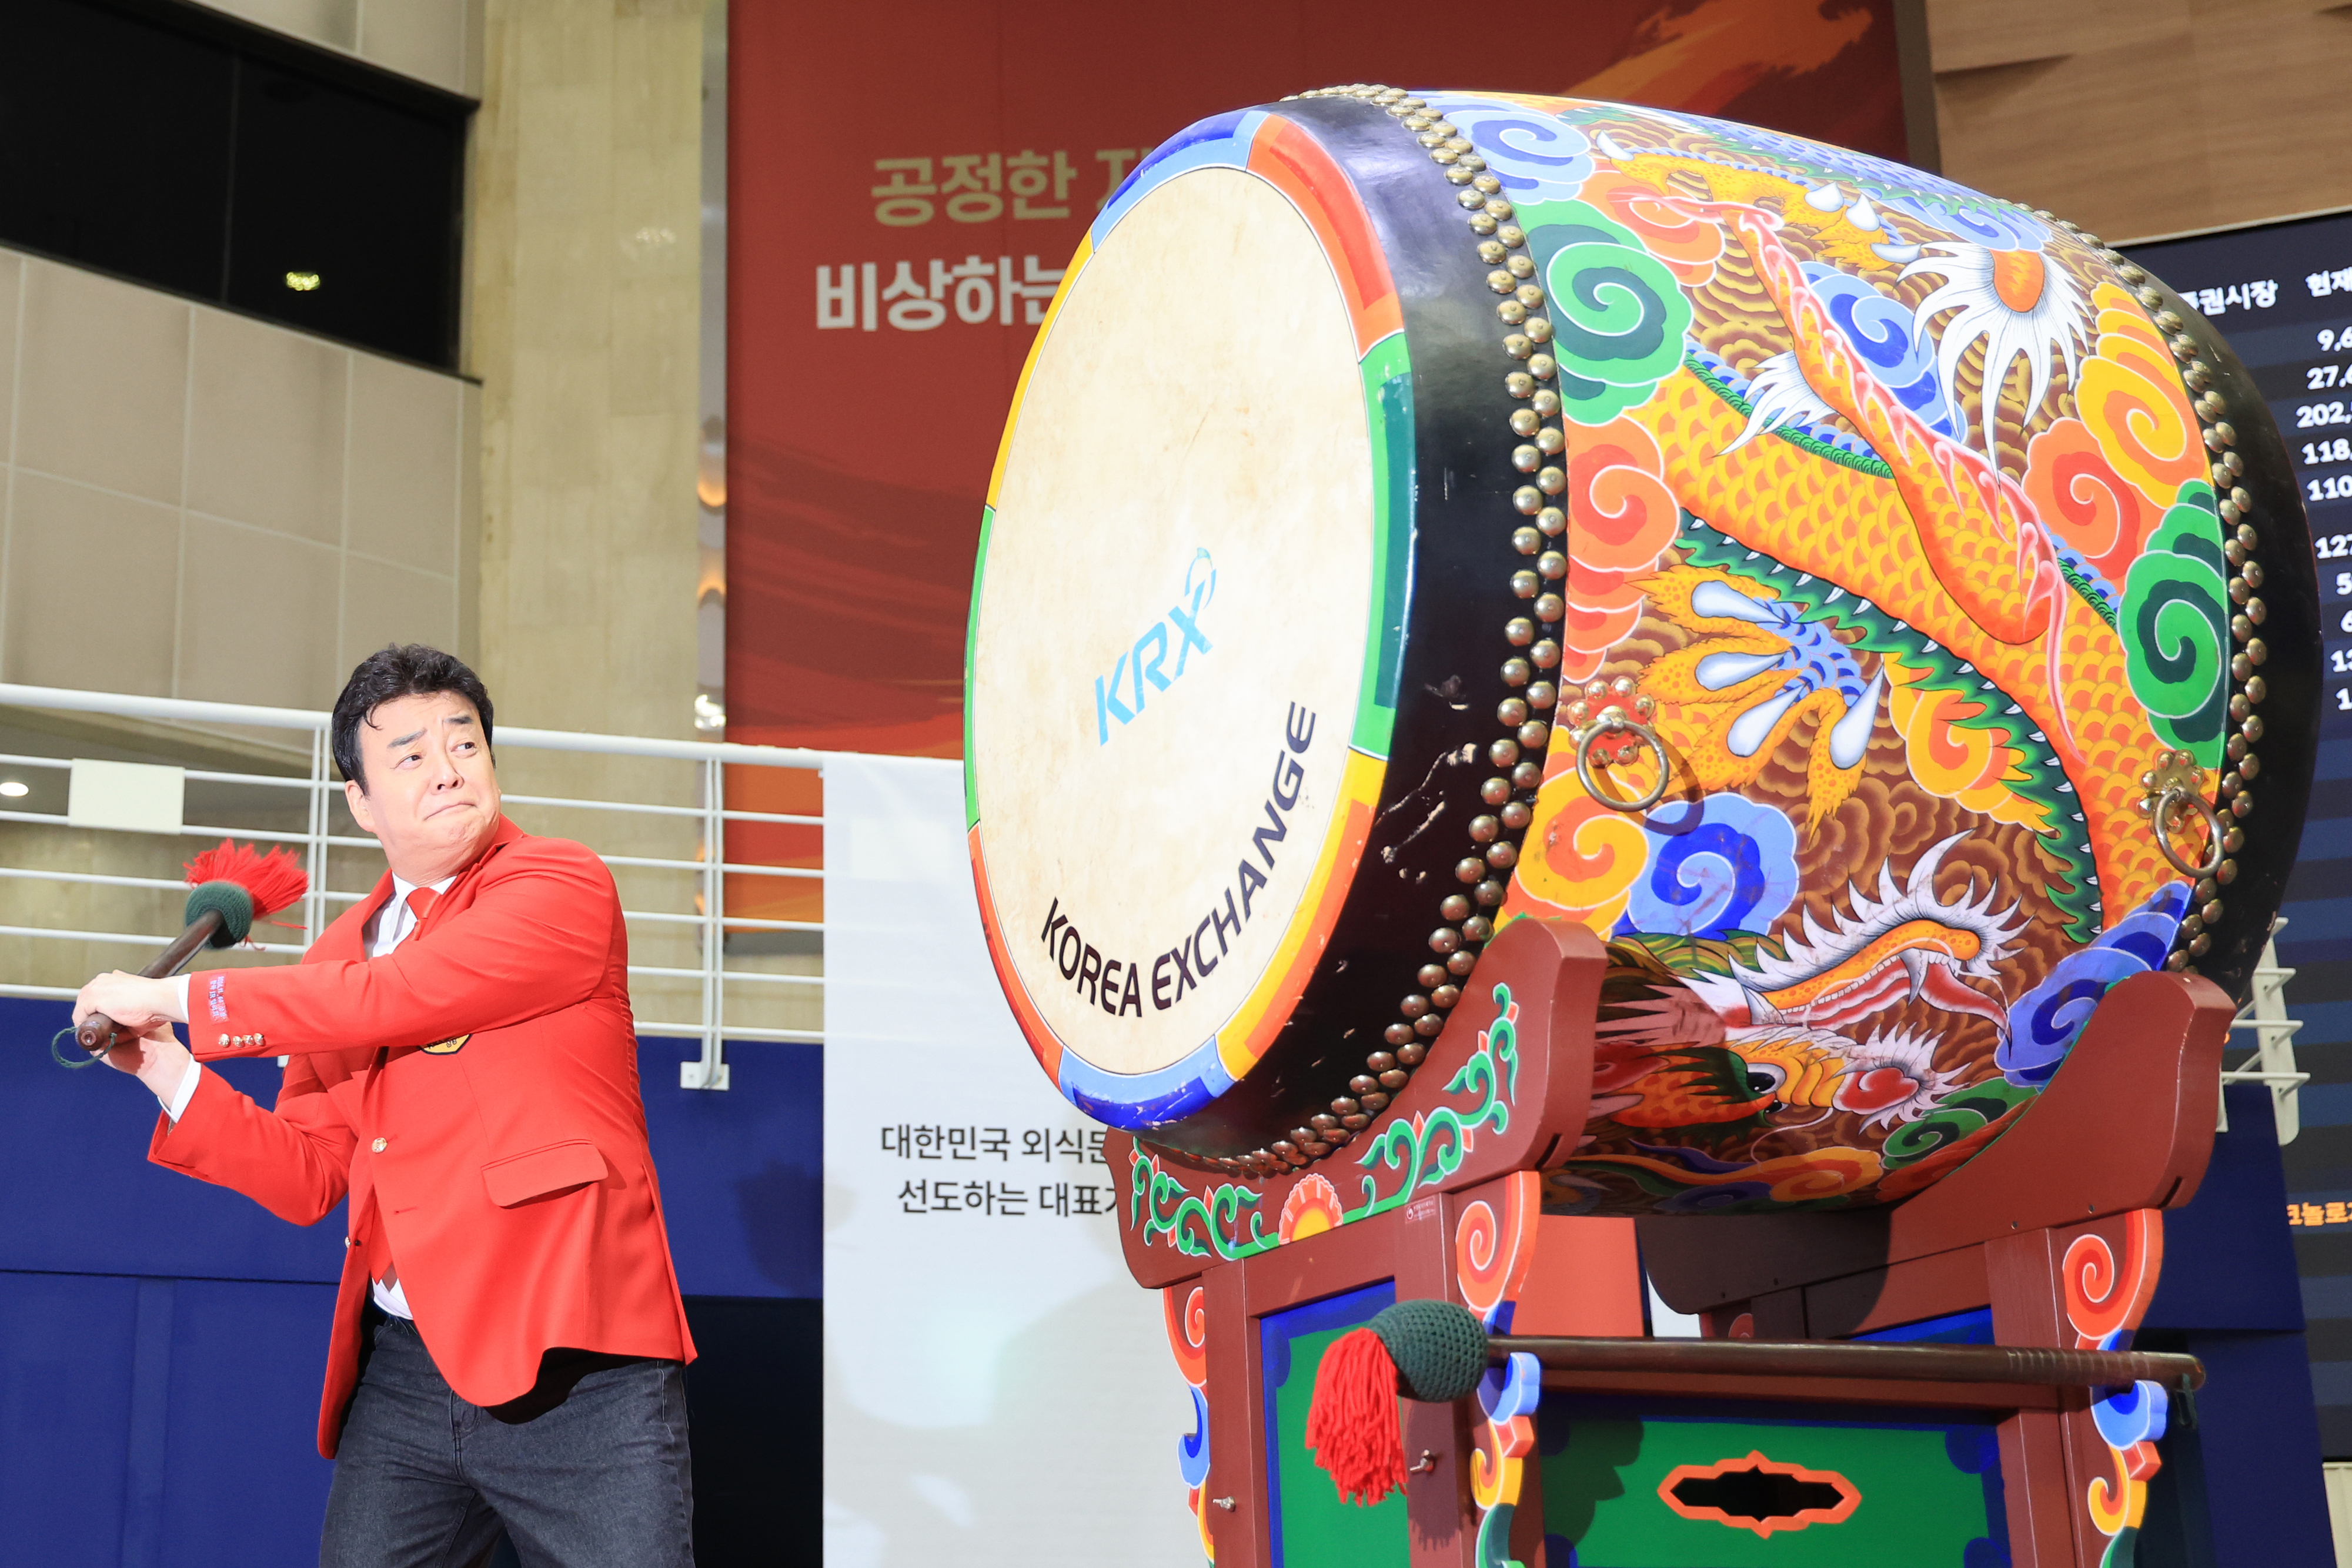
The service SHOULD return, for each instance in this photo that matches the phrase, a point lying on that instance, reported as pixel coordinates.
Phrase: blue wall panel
(66, 1365)
(743, 1171)
(243, 1481)
(163, 1340)
(740, 1173)
(2241, 1489)
(81, 1197)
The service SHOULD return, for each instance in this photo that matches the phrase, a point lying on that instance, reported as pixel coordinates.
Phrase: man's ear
(356, 799)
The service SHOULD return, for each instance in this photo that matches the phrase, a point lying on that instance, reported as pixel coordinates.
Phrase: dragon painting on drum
(1902, 614)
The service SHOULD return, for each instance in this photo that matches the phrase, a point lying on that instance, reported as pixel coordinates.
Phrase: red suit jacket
(475, 1095)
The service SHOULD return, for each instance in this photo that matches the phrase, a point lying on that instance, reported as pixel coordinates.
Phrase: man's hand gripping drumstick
(127, 1019)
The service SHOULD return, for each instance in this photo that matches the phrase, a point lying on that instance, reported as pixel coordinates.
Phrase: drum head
(1178, 639)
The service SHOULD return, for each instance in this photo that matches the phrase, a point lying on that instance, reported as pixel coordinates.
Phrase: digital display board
(2282, 294)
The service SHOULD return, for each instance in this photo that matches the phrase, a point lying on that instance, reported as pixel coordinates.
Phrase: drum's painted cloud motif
(1949, 578)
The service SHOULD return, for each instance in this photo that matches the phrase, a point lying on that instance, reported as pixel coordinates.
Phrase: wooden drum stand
(1626, 1455)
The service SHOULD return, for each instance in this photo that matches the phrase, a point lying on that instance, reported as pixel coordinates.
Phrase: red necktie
(420, 902)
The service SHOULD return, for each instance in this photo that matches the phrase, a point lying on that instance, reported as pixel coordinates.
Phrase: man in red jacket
(508, 1342)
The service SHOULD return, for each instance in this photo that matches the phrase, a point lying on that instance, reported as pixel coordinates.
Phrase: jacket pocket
(518, 1178)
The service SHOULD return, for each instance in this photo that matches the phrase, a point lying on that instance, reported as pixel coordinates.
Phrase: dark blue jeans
(424, 1480)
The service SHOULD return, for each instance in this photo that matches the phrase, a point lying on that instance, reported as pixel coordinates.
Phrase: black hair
(410, 670)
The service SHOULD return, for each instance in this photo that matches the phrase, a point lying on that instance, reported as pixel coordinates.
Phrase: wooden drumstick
(231, 887)
(1438, 1352)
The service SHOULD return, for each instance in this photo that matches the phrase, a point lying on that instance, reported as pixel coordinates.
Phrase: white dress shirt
(390, 927)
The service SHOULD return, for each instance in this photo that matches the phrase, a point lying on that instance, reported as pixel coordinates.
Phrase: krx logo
(1177, 632)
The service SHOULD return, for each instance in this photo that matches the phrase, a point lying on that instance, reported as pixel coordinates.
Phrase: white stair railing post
(2274, 1059)
(710, 1072)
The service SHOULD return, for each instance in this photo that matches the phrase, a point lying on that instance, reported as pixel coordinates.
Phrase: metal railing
(322, 790)
(2274, 1059)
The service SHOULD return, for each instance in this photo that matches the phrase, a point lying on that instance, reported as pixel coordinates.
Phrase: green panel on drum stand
(1311, 1526)
(1766, 1486)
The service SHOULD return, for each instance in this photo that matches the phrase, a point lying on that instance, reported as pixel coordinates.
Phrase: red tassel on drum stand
(1352, 1427)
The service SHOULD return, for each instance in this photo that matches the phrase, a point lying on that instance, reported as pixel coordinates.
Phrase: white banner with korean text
(997, 1390)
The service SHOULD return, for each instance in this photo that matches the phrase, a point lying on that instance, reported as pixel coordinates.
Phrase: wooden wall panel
(2137, 117)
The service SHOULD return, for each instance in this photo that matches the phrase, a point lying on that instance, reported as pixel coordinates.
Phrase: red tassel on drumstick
(232, 886)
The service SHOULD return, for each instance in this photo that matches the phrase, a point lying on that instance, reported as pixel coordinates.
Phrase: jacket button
(377, 1145)
(224, 1040)
(347, 1241)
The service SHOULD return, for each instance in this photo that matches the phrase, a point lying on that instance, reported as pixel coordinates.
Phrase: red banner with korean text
(888, 267)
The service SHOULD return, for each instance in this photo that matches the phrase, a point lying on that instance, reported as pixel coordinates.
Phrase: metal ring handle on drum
(2162, 814)
(1592, 732)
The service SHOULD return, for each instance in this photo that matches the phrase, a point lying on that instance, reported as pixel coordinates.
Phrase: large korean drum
(1879, 611)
